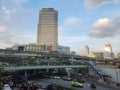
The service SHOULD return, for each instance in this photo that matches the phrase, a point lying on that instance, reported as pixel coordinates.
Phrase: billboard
(21, 48)
(49, 48)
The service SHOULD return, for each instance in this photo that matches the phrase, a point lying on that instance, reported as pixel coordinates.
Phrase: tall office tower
(86, 50)
(48, 27)
(108, 48)
(108, 54)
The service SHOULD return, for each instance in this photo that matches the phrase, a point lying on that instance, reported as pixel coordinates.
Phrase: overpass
(22, 60)
(14, 68)
(97, 72)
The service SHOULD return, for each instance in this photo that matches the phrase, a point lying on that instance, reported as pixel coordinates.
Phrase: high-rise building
(48, 27)
(86, 50)
(108, 54)
(108, 48)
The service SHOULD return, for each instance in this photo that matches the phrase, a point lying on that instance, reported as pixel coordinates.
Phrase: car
(76, 84)
(80, 80)
(93, 86)
(56, 77)
(52, 87)
(67, 79)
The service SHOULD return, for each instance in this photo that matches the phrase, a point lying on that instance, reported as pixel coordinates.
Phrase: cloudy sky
(81, 22)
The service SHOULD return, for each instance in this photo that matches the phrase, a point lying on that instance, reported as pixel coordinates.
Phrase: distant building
(62, 49)
(48, 27)
(86, 50)
(14, 47)
(18, 47)
(118, 55)
(47, 35)
(108, 54)
(108, 48)
(73, 52)
(102, 55)
(98, 55)
(34, 47)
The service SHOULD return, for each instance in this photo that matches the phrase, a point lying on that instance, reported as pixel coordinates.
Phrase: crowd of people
(18, 83)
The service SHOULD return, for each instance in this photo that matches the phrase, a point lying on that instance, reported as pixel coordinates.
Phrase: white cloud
(19, 1)
(9, 38)
(3, 37)
(95, 3)
(2, 31)
(6, 10)
(11, 20)
(68, 23)
(6, 14)
(71, 21)
(105, 28)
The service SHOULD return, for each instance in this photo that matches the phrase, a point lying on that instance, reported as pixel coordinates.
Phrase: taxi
(76, 84)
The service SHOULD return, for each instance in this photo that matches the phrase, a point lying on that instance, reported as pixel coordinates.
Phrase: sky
(80, 22)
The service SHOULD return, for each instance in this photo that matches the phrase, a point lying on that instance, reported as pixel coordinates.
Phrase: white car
(56, 77)
(6, 87)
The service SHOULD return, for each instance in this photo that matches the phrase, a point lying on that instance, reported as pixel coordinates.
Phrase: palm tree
(1, 73)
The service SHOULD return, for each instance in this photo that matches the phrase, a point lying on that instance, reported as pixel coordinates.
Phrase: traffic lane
(67, 84)
(42, 82)
(57, 82)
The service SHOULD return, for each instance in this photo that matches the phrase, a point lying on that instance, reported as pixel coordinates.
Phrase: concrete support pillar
(47, 70)
(34, 72)
(72, 58)
(68, 71)
(26, 74)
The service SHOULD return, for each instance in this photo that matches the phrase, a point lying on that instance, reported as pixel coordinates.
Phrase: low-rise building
(98, 55)
(118, 55)
(35, 47)
(18, 47)
(62, 49)
(39, 48)
(108, 55)
(73, 52)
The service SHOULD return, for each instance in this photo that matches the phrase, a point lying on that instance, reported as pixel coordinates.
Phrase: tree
(1, 74)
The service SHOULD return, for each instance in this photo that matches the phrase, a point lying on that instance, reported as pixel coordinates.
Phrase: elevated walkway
(14, 68)
(97, 72)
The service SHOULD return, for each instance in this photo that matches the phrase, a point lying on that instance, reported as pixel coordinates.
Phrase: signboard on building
(21, 48)
(49, 48)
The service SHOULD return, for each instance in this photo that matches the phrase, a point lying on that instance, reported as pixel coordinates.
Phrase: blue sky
(80, 22)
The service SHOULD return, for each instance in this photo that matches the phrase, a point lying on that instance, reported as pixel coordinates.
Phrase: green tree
(1, 75)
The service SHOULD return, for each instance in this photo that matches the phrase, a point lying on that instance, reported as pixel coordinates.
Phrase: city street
(61, 82)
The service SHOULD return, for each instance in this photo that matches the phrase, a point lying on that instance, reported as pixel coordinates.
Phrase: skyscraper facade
(48, 27)
(86, 50)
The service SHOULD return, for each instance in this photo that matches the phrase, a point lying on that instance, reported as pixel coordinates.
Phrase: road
(98, 84)
(61, 82)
